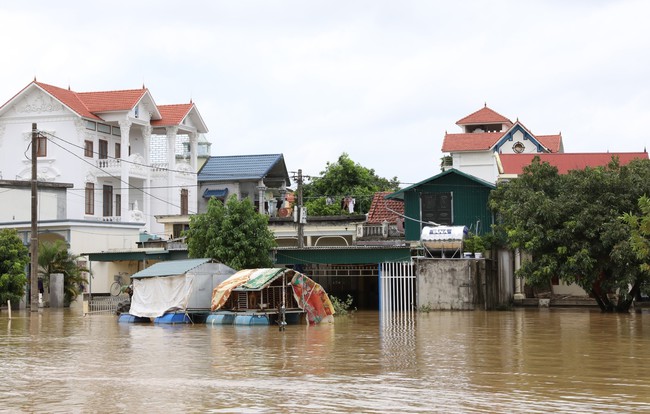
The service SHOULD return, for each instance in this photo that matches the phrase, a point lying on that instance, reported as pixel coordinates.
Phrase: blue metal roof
(170, 268)
(243, 167)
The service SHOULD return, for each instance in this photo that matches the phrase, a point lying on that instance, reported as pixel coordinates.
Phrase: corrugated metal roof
(170, 268)
(400, 193)
(241, 167)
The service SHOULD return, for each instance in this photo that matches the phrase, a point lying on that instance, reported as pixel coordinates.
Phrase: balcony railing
(378, 231)
(113, 166)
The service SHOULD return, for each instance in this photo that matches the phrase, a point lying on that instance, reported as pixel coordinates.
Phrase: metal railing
(105, 304)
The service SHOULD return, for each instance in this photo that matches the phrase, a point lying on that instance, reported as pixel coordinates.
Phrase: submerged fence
(396, 288)
(105, 304)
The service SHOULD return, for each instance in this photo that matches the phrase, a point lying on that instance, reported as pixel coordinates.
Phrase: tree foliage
(571, 225)
(54, 257)
(234, 234)
(340, 179)
(14, 257)
(640, 232)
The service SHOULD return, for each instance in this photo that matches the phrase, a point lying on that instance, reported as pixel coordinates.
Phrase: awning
(219, 193)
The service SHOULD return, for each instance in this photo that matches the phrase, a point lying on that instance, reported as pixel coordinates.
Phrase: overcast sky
(380, 80)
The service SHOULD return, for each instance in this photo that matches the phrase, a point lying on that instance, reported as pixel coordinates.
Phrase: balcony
(385, 233)
(132, 216)
(112, 167)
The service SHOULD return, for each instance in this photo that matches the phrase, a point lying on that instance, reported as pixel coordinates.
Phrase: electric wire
(130, 186)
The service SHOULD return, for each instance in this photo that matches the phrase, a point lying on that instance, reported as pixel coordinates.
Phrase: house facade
(106, 147)
(261, 178)
(486, 133)
(101, 143)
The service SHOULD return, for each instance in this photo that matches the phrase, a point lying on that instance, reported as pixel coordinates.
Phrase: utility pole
(33, 243)
(301, 230)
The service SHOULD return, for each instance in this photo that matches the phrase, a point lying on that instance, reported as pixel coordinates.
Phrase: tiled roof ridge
(114, 91)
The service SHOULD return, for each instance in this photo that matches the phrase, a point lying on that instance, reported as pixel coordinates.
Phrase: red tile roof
(484, 115)
(172, 114)
(69, 99)
(514, 163)
(470, 142)
(89, 104)
(552, 142)
(111, 100)
(384, 210)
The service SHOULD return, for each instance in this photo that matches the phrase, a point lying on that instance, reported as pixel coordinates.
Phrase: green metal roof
(342, 255)
(170, 268)
(400, 193)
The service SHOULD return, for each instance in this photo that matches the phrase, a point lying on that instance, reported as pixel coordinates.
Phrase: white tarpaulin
(155, 296)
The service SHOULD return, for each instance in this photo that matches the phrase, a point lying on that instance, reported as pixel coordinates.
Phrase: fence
(396, 288)
(105, 304)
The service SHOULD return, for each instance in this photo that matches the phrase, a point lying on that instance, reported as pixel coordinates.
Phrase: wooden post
(9, 308)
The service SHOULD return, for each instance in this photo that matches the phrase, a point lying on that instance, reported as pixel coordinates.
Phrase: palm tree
(54, 257)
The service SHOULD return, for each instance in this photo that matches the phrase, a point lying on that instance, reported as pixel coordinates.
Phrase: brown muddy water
(522, 361)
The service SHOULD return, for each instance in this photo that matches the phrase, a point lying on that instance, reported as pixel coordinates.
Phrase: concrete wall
(446, 284)
(461, 284)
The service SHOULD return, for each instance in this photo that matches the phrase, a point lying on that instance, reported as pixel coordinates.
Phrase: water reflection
(521, 361)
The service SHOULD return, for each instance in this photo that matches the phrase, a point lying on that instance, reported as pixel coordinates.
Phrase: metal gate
(396, 288)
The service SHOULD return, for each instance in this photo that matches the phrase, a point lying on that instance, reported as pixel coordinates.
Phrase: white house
(106, 146)
(487, 133)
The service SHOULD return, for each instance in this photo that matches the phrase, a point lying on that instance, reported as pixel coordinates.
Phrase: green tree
(54, 257)
(340, 179)
(14, 257)
(571, 225)
(640, 232)
(234, 234)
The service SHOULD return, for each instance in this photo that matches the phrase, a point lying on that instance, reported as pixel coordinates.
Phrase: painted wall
(479, 164)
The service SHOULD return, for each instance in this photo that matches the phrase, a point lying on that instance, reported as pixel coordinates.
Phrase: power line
(118, 159)
(118, 178)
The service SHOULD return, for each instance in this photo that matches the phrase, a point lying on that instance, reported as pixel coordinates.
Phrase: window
(103, 149)
(88, 149)
(90, 198)
(437, 207)
(116, 131)
(118, 205)
(91, 125)
(103, 128)
(41, 146)
(184, 201)
(107, 200)
(118, 150)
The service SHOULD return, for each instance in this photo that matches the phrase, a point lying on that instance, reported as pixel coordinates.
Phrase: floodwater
(526, 361)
